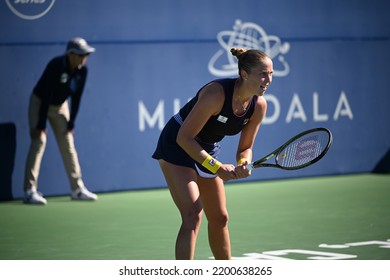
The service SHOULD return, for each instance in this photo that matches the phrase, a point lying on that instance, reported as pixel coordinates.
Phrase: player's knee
(221, 220)
(192, 219)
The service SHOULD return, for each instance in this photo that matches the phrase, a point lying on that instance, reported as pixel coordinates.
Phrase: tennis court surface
(332, 217)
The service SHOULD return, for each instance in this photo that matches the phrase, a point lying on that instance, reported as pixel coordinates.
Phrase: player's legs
(185, 193)
(214, 204)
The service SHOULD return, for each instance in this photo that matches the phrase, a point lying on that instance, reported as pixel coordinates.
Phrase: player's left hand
(241, 171)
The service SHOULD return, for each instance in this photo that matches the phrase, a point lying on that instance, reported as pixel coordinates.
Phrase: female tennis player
(188, 149)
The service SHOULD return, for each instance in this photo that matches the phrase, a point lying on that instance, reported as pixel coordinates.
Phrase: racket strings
(303, 150)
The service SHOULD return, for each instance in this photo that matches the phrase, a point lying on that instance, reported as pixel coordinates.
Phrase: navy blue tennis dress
(216, 128)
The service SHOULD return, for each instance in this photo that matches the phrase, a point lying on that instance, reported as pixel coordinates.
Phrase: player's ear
(243, 74)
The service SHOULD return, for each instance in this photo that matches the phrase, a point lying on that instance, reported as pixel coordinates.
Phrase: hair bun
(237, 52)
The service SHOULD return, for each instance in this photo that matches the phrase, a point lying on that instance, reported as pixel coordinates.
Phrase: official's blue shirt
(56, 85)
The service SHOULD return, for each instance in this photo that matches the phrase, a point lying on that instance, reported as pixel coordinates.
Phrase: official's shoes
(83, 194)
(34, 197)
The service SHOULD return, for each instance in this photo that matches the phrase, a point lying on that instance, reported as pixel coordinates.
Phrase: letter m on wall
(145, 118)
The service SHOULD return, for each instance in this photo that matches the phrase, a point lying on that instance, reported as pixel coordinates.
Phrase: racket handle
(249, 166)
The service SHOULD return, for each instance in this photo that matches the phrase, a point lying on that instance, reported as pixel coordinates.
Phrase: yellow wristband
(243, 160)
(211, 164)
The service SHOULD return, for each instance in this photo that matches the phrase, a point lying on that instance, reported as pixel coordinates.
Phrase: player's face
(260, 77)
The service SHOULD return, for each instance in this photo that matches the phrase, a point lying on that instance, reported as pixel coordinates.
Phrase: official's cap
(78, 45)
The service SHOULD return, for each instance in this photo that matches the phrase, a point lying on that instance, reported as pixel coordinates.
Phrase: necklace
(241, 103)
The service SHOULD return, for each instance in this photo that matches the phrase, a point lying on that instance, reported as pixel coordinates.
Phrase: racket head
(304, 149)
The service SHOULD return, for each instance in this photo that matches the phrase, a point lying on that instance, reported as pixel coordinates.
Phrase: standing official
(64, 78)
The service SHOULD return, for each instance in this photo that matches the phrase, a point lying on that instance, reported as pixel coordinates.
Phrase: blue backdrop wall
(331, 62)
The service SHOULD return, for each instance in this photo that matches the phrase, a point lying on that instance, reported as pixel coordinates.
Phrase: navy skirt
(168, 150)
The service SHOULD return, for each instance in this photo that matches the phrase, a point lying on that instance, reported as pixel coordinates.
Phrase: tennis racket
(300, 151)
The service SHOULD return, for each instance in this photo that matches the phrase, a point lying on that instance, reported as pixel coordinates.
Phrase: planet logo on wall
(247, 35)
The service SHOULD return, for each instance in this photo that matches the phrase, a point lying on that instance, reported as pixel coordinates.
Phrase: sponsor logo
(307, 148)
(212, 162)
(296, 111)
(222, 119)
(247, 35)
(30, 9)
